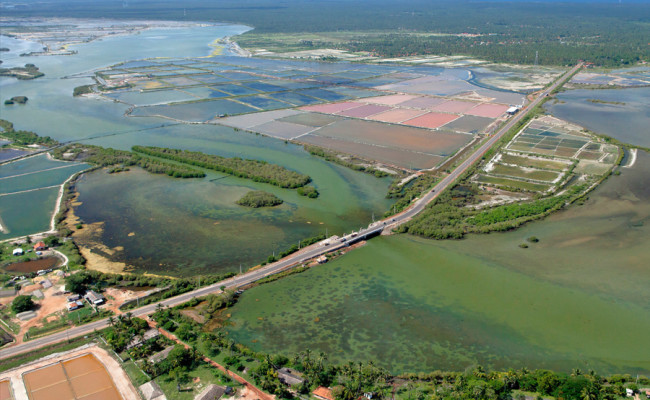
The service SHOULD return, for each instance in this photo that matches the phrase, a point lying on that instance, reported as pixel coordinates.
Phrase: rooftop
(323, 393)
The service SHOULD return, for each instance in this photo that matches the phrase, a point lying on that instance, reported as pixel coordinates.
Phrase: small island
(308, 191)
(598, 101)
(16, 100)
(29, 71)
(259, 198)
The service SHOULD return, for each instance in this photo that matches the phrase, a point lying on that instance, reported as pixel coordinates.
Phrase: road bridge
(308, 253)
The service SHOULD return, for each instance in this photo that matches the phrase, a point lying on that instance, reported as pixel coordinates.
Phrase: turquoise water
(27, 213)
(28, 192)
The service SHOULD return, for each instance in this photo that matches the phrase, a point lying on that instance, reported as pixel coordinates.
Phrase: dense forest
(501, 31)
(258, 171)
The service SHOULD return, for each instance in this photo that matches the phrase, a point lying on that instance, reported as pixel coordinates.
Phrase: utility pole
(536, 57)
(240, 268)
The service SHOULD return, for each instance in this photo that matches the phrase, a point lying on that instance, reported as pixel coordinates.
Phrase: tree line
(256, 170)
(121, 160)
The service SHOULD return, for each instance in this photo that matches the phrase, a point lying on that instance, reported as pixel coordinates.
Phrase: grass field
(512, 183)
(517, 172)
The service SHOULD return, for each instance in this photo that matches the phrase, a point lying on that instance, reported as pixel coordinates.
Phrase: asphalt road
(310, 252)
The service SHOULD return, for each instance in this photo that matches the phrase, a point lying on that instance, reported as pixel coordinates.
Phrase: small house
(152, 391)
(40, 246)
(211, 392)
(629, 392)
(46, 283)
(73, 305)
(74, 297)
(18, 252)
(290, 377)
(321, 260)
(323, 393)
(94, 297)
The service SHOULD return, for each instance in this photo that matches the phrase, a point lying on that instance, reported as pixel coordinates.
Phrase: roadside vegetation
(256, 170)
(259, 198)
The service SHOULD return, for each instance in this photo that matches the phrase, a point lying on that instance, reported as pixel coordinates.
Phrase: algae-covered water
(577, 298)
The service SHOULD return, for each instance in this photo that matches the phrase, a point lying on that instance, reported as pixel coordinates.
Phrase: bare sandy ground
(121, 380)
(53, 301)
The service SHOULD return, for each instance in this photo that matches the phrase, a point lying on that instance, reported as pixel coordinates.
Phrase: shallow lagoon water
(578, 298)
(627, 123)
(181, 222)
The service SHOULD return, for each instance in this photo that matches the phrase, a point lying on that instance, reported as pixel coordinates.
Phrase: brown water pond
(33, 265)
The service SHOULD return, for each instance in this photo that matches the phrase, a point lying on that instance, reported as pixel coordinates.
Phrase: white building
(18, 252)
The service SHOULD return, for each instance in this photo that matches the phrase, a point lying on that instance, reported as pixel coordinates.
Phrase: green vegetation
(258, 171)
(122, 159)
(344, 160)
(351, 380)
(448, 216)
(259, 198)
(17, 100)
(495, 31)
(597, 101)
(407, 192)
(308, 191)
(123, 329)
(512, 184)
(24, 138)
(294, 248)
(29, 71)
(538, 175)
(175, 287)
(22, 303)
(83, 89)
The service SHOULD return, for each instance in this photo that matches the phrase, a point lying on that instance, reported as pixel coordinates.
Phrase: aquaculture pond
(29, 189)
(619, 113)
(576, 299)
